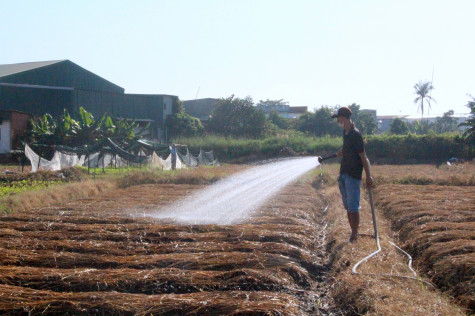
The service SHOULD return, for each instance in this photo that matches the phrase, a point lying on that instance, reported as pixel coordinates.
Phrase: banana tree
(126, 133)
(48, 132)
(87, 130)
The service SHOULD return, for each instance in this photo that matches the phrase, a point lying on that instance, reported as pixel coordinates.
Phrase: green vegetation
(109, 172)
(319, 123)
(383, 148)
(398, 127)
(364, 121)
(469, 134)
(7, 189)
(64, 130)
(279, 121)
(182, 124)
(416, 148)
(445, 124)
(226, 148)
(85, 131)
(238, 118)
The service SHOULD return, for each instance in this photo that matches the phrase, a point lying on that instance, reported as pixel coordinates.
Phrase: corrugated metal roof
(10, 69)
(22, 85)
(298, 109)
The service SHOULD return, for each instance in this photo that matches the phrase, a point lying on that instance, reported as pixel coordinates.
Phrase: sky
(308, 53)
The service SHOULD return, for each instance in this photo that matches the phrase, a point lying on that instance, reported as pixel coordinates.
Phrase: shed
(37, 88)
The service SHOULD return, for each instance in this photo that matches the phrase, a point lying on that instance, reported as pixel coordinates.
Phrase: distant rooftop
(298, 109)
(389, 117)
(433, 116)
(10, 69)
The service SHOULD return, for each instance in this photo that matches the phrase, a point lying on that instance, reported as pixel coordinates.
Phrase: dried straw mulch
(91, 257)
(437, 226)
(15, 300)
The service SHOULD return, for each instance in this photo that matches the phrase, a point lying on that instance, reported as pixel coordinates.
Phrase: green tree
(364, 120)
(279, 121)
(86, 130)
(123, 132)
(469, 134)
(367, 123)
(324, 123)
(420, 127)
(423, 90)
(182, 124)
(177, 106)
(49, 131)
(446, 123)
(237, 117)
(306, 123)
(398, 127)
(273, 103)
(319, 123)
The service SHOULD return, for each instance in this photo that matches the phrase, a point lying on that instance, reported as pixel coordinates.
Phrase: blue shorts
(350, 192)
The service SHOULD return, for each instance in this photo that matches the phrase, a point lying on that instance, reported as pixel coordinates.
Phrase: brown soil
(105, 255)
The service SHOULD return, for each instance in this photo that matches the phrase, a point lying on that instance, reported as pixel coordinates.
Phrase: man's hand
(369, 182)
(339, 153)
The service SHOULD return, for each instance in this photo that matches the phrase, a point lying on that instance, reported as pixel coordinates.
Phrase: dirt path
(106, 255)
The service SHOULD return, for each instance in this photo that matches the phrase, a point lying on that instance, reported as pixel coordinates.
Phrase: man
(352, 164)
(173, 153)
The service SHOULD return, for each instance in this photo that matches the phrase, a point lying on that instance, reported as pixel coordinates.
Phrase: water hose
(376, 236)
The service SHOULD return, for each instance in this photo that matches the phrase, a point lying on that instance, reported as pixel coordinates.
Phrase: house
(12, 125)
(37, 88)
(200, 108)
(295, 112)
(384, 121)
(283, 110)
(460, 117)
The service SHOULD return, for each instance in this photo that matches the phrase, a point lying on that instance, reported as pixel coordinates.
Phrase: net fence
(109, 154)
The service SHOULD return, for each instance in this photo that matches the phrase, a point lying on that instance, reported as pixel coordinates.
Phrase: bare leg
(354, 220)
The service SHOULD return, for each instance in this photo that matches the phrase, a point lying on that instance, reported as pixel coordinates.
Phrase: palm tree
(423, 90)
(469, 133)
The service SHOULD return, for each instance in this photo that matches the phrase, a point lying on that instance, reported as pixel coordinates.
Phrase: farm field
(102, 255)
(436, 224)
(429, 211)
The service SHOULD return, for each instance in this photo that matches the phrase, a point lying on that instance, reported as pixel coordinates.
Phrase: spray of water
(230, 201)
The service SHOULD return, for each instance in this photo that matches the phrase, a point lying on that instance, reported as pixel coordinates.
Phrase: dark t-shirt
(352, 146)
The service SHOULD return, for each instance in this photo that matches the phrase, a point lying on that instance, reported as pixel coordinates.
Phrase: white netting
(207, 158)
(188, 159)
(67, 161)
(158, 162)
(95, 160)
(58, 162)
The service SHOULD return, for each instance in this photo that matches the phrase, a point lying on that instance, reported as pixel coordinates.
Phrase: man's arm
(367, 168)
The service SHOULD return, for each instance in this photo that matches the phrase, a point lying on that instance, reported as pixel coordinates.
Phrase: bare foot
(353, 238)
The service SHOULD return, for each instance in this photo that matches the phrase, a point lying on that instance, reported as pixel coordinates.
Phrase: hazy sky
(309, 53)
